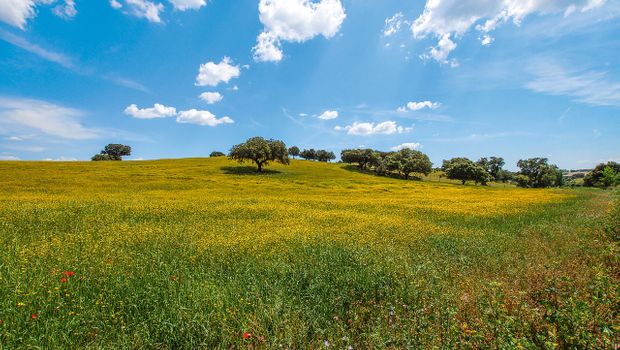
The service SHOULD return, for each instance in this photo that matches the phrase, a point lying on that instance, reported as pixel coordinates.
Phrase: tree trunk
(260, 167)
(463, 181)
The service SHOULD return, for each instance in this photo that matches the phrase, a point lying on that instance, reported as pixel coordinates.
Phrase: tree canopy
(363, 157)
(493, 166)
(260, 151)
(217, 154)
(538, 173)
(603, 175)
(293, 151)
(113, 151)
(465, 170)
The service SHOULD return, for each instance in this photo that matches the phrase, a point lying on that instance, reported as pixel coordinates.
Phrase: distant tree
(389, 163)
(493, 166)
(325, 156)
(363, 157)
(504, 176)
(412, 161)
(217, 154)
(293, 151)
(603, 175)
(113, 151)
(100, 157)
(538, 173)
(308, 154)
(464, 169)
(260, 151)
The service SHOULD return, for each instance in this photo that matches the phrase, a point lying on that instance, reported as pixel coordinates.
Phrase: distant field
(204, 253)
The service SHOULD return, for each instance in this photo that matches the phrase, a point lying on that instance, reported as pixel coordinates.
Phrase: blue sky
(181, 78)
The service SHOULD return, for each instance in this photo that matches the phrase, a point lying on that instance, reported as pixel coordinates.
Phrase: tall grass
(202, 253)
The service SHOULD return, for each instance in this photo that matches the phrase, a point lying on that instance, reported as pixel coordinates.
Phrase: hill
(205, 253)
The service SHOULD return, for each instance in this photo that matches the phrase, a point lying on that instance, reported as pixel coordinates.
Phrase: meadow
(205, 253)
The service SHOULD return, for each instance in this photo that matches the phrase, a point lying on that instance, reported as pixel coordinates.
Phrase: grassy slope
(192, 253)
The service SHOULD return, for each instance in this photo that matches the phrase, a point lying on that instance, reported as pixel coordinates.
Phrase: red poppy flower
(34, 316)
(247, 335)
(68, 273)
(63, 280)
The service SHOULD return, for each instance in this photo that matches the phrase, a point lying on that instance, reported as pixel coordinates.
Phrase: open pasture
(204, 253)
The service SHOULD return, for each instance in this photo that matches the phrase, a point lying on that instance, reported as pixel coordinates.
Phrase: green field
(205, 253)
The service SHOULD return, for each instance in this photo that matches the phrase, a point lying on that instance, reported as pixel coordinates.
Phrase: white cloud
(5, 157)
(392, 24)
(19, 115)
(447, 19)
(66, 10)
(115, 4)
(14, 138)
(184, 5)
(587, 86)
(146, 9)
(416, 106)
(17, 12)
(212, 73)
(157, 111)
(37, 50)
(295, 21)
(211, 97)
(407, 145)
(61, 159)
(328, 115)
(203, 118)
(367, 129)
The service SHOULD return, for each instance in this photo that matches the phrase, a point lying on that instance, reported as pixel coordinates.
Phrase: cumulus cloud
(157, 111)
(295, 21)
(449, 19)
(211, 73)
(66, 10)
(407, 145)
(115, 4)
(184, 5)
(416, 106)
(27, 115)
(18, 12)
(392, 24)
(211, 97)
(327, 115)
(146, 9)
(203, 118)
(366, 129)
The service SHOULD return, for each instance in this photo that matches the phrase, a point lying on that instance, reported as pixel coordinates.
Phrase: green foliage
(410, 161)
(364, 158)
(465, 170)
(325, 156)
(260, 151)
(308, 154)
(217, 154)
(603, 175)
(493, 166)
(293, 151)
(100, 157)
(113, 151)
(538, 173)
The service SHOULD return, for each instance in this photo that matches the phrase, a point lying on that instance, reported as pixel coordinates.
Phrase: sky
(182, 78)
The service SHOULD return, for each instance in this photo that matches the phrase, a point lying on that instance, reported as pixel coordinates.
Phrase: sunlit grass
(193, 253)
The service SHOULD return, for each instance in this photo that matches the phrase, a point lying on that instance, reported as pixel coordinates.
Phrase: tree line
(405, 163)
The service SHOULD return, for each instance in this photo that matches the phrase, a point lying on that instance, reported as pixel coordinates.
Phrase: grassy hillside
(204, 253)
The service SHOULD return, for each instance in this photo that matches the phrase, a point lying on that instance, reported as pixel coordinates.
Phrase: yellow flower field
(195, 253)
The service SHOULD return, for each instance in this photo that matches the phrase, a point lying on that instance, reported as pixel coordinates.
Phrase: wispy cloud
(46, 54)
(483, 137)
(586, 86)
(67, 62)
(28, 115)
